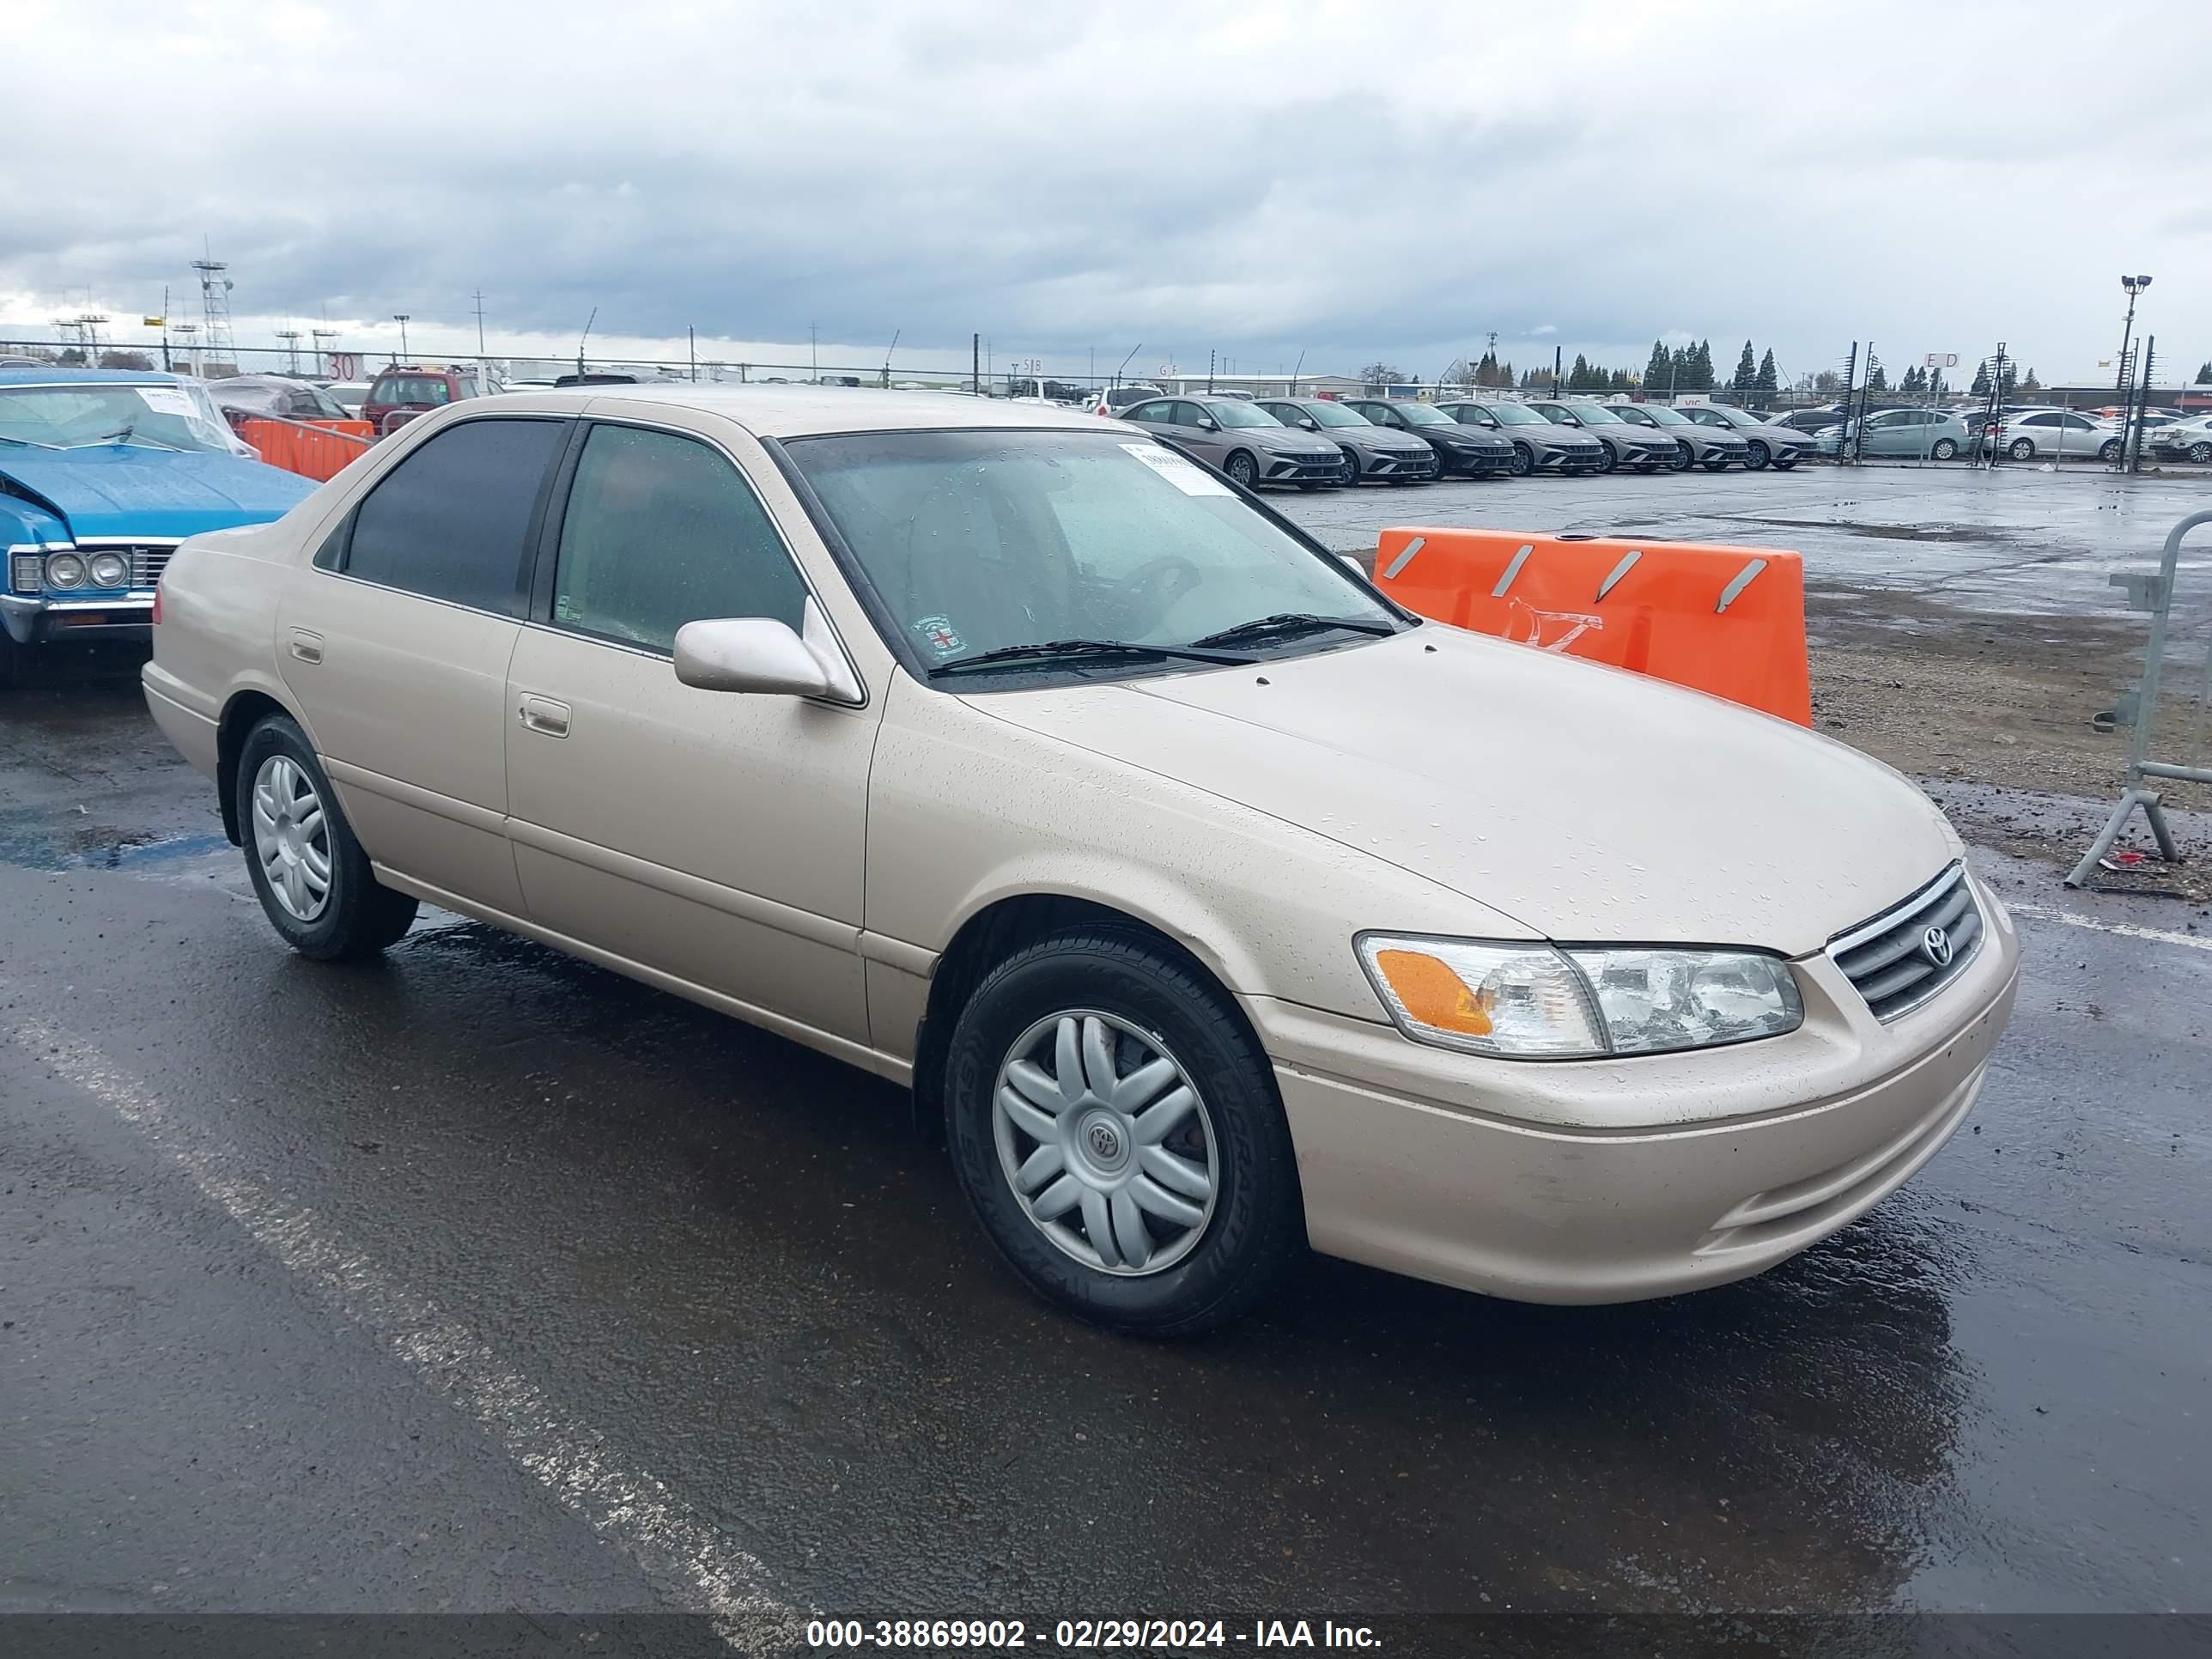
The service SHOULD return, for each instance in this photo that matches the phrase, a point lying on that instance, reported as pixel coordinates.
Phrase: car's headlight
(1538, 1002)
(110, 570)
(65, 570)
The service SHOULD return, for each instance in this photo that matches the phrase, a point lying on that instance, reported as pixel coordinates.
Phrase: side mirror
(1309, 423)
(1207, 424)
(760, 655)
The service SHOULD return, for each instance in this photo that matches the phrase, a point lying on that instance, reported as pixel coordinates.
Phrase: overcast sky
(1349, 180)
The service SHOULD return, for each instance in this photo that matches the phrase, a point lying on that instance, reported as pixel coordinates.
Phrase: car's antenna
(585, 335)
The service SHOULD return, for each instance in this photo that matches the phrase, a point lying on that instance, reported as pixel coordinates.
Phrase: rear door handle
(542, 715)
(306, 646)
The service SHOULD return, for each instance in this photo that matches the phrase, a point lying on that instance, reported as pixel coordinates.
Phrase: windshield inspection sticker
(167, 400)
(1178, 472)
(937, 632)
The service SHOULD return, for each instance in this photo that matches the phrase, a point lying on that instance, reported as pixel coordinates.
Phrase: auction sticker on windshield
(167, 400)
(1178, 472)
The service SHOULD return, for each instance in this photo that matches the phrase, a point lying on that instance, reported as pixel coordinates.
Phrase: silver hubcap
(1106, 1143)
(292, 838)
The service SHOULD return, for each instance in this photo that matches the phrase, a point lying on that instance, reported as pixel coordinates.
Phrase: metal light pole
(400, 318)
(2123, 381)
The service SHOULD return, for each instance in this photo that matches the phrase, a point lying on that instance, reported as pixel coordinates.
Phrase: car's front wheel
(1758, 456)
(2021, 449)
(2200, 452)
(1606, 460)
(1116, 1130)
(1523, 462)
(311, 875)
(1243, 470)
(1348, 475)
(2109, 451)
(1685, 457)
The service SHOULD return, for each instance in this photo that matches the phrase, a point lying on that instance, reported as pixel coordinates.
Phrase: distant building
(1265, 386)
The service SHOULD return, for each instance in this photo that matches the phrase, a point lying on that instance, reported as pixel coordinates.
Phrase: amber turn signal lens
(1431, 994)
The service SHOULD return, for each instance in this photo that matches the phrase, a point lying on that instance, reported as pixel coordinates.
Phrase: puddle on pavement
(37, 842)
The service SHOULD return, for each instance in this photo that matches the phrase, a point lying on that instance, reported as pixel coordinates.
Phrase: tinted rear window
(452, 521)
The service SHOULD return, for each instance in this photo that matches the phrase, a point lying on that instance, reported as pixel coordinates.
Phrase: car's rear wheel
(1523, 462)
(1758, 456)
(2021, 449)
(309, 872)
(1944, 449)
(1242, 469)
(1116, 1130)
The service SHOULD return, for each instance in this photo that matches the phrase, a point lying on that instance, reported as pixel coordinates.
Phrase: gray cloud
(1347, 179)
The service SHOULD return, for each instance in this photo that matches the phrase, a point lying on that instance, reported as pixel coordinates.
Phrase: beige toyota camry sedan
(1215, 907)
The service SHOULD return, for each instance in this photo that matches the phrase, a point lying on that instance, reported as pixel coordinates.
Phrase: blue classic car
(102, 473)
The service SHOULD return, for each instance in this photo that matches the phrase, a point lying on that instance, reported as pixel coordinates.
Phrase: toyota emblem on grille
(1936, 946)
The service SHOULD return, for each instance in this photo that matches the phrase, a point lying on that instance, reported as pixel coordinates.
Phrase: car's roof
(798, 411)
(54, 374)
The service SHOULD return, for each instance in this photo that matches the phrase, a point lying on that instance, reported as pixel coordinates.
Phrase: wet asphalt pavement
(480, 1279)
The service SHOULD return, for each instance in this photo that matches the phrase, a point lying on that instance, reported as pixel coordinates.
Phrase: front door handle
(542, 715)
(306, 646)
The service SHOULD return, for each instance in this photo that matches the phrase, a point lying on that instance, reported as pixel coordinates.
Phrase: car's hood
(1767, 432)
(1283, 440)
(1459, 433)
(1388, 439)
(123, 490)
(1586, 803)
(1572, 437)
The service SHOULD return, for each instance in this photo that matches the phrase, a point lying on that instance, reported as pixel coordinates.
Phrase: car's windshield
(1424, 415)
(1595, 414)
(975, 541)
(1660, 414)
(1327, 414)
(1735, 416)
(1517, 414)
(1232, 411)
(86, 414)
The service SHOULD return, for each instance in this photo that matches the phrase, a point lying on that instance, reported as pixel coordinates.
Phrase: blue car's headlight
(109, 570)
(65, 571)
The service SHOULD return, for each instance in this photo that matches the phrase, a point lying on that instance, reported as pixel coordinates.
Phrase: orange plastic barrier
(318, 449)
(1726, 620)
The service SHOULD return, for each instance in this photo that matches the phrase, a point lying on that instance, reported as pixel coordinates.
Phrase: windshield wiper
(126, 433)
(1287, 624)
(1054, 650)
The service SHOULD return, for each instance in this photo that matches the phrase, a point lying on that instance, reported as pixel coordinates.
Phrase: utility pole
(888, 349)
(1133, 350)
(400, 318)
(480, 340)
(165, 328)
(975, 364)
(691, 344)
(814, 354)
(585, 335)
(1556, 361)
(1209, 371)
(2131, 433)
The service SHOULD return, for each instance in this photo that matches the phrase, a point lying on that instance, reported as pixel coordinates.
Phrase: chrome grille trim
(1881, 956)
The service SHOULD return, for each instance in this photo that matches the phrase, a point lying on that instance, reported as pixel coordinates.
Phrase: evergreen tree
(1769, 377)
(1878, 381)
(1578, 376)
(1701, 366)
(1746, 370)
(2031, 385)
(2204, 373)
(1981, 385)
(1654, 371)
(2010, 383)
(1935, 386)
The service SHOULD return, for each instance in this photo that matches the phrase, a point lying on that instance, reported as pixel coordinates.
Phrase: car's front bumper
(1316, 467)
(33, 620)
(1620, 1180)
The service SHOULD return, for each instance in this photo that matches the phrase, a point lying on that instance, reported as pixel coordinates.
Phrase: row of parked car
(1315, 443)
(2020, 432)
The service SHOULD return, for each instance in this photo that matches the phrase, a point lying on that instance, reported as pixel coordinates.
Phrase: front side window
(1231, 412)
(975, 541)
(1188, 415)
(452, 521)
(1515, 415)
(1637, 418)
(1148, 412)
(1594, 414)
(1424, 415)
(661, 531)
(1323, 413)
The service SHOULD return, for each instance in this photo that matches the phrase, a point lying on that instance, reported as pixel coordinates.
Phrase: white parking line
(668, 1542)
(2124, 929)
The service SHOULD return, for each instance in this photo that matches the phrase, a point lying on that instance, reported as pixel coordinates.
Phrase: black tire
(2200, 453)
(1783, 465)
(1257, 1224)
(1757, 458)
(13, 659)
(2021, 449)
(1242, 471)
(360, 915)
(1349, 477)
(2109, 451)
(1523, 462)
(1685, 459)
(1606, 460)
(1944, 449)
(1648, 467)
(1311, 484)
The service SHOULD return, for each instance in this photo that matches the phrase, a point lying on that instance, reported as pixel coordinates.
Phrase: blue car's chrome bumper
(33, 619)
